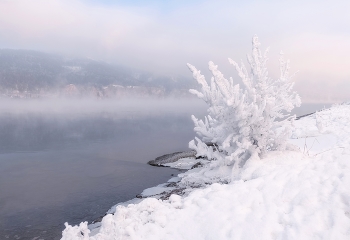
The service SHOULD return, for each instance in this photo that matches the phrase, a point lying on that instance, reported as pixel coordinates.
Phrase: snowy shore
(301, 194)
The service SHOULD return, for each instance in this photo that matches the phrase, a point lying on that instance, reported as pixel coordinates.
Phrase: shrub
(242, 121)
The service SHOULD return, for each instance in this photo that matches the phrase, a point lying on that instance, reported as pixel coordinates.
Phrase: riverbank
(299, 194)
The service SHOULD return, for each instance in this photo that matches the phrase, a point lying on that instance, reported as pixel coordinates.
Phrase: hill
(32, 74)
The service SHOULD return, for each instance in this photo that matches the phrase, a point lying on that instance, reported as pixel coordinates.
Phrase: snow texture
(186, 163)
(155, 190)
(301, 194)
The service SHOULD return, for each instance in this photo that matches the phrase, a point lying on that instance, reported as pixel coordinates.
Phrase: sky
(162, 36)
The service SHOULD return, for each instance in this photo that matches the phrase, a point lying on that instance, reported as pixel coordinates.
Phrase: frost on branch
(244, 120)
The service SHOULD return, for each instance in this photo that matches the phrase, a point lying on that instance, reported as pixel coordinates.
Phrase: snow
(185, 163)
(302, 194)
(174, 179)
(155, 190)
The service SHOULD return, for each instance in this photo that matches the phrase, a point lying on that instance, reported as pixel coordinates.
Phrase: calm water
(72, 161)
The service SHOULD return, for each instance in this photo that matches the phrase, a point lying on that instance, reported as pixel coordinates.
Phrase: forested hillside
(31, 74)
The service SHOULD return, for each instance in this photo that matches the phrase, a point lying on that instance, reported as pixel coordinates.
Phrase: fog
(161, 37)
(120, 108)
(31, 125)
(61, 124)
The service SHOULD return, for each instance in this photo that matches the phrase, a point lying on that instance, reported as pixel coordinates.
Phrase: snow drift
(286, 195)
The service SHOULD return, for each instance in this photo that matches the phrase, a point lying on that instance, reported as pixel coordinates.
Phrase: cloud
(162, 38)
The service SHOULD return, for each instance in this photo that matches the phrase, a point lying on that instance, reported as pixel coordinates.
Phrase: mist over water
(71, 160)
(38, 125)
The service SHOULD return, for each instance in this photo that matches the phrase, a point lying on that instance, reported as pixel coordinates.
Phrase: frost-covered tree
(242, 121)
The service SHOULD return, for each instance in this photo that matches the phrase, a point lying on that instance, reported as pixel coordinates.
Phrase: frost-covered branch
(244, 120)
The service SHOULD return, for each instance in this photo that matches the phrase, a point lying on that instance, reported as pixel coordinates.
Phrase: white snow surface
(301, 194)
(155, 190)
(185, 163)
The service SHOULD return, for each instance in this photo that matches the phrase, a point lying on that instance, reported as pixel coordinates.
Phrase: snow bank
(186, 163)
(286, 195)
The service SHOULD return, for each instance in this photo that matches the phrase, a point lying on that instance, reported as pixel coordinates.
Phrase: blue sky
(162, 36)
